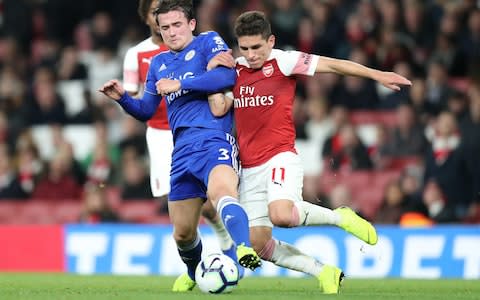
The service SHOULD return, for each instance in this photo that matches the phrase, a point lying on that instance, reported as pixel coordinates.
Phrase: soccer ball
(216, 273)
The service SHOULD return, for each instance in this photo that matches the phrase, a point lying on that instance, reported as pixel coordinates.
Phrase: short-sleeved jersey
(188, 108)
(135, 69)
(263, 102)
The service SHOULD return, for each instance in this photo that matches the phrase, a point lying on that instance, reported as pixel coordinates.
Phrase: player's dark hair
(143, 9)
(252, 23)
(165, 6)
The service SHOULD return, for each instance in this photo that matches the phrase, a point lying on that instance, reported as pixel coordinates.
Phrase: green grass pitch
(62, 286)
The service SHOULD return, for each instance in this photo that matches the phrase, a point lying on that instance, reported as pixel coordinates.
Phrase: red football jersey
(263, 102)
(135, 69)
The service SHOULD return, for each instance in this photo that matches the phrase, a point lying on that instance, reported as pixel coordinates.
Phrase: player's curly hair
(252, 23)
(164, 6)
(143, 8)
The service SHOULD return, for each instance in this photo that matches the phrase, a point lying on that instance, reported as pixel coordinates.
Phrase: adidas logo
(162, 67)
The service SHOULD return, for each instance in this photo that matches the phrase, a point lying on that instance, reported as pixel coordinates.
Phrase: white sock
(221, 232)
(287, 256)
(311, 214)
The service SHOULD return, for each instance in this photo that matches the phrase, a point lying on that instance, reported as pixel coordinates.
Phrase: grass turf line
(66, 286)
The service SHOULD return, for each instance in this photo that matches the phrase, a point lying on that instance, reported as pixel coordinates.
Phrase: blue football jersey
(187, 108)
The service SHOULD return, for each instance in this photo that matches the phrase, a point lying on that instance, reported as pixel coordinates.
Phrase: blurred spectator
(418, 29)
(457, 104)
(29, 164)
(471, 43)
(305, 35)
(407, 137)
(356, 92)
(135, 181)
(133, 135)
(424, 110)
(380, 151)
(438, 90)
(439, 210)
(392, 99)
(326, 27)
(12, 99)
(69, 66)
(46, 107)
(284, 18)
(59, 182)
(411, 185)
(393, 204)
(96, 208)
(445, 160)
(346, 151)
(447, 52)
(10, 187)
(470, 129)
(341, 195)
(100, 164)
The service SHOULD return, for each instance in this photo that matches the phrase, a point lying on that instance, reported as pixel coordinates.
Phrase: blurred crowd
(409, 157)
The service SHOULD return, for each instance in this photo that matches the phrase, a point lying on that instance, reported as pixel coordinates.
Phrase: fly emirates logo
(249, 99)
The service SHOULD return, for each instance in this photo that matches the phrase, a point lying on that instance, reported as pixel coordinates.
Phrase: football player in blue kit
(205, 156)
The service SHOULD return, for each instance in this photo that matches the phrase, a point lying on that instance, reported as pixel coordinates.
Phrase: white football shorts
(160, 147)
(279, 178)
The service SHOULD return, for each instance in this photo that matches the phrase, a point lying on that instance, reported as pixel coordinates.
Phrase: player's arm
(211, 81)
(220, 103)
(390, 80)
(141, 109)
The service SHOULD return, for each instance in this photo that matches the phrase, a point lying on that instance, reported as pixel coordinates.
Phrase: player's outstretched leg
(329, 279)
(304, 213)
(285, 255)
(356, 225)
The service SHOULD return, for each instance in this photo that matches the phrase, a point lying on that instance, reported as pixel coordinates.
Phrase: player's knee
(184, 237)
(284, 215)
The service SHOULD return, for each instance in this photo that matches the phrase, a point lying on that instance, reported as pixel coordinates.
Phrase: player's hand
(393, 80)
(112, 89)
(167, 86)
(223, 58)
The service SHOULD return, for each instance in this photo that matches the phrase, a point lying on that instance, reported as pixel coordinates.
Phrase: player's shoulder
(282, 54)
(208, 34)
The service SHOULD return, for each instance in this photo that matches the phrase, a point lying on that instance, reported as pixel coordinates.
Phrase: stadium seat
(36, 212)
(67, 211)
(138, 211)
(9, 210)
(400, 163)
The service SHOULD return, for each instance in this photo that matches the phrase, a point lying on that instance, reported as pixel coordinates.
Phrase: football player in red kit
(272, 176)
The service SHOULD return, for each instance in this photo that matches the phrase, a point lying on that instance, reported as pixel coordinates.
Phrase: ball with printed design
(216, 273)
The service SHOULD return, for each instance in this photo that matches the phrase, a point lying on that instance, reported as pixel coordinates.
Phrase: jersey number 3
(223, 154)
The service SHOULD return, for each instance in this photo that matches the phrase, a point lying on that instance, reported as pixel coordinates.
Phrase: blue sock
(235, 220)
(191, 255)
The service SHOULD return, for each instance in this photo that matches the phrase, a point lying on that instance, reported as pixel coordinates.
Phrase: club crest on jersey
(267, 70)
(189, 55)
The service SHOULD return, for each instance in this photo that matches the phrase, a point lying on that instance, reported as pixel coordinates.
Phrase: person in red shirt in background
(158, 135)
(263, 99)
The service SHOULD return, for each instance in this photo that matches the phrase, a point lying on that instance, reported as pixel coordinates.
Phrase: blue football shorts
(195, 154)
